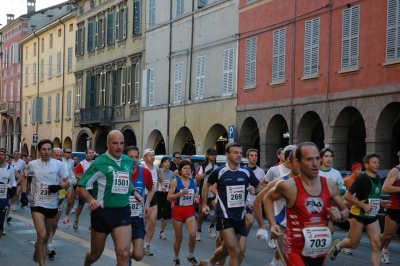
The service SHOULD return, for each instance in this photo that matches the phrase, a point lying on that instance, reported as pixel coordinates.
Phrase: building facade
(48, 84)
(326, 73)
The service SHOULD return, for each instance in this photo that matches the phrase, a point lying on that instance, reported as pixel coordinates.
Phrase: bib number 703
(318, 243)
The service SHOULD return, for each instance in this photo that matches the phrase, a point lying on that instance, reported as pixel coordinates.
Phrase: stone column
(8, 143)
(263, 155)
(3, 140)
(381, 147)
(339, 147)
(16, 142)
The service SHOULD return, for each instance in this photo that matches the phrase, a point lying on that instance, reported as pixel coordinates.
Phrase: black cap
(211, 151)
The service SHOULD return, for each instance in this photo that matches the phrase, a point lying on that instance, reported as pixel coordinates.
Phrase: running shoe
(198, 236)
(34, 256)
(176, 262)
(51, 253)
(204, 263)
(262, 235)
(193, 261)
(13, 207)
(162, 236)
(66, 221)
(271, 243)
(73, 210)
(347, 251)
(147, 251)
(8, 219)
(333, 252)
(212, 232)
(4, 232)
(385, 257)
(75, 225)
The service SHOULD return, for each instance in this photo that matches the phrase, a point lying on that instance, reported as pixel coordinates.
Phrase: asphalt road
(16, 247)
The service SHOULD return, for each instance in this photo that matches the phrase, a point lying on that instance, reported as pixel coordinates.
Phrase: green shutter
(136, 18)
(88, 91)
(90, 37)
(110, 28)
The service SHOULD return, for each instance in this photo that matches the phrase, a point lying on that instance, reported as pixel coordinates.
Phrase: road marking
(108, 252)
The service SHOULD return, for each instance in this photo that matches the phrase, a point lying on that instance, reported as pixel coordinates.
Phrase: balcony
(9, 108)
(97, 116)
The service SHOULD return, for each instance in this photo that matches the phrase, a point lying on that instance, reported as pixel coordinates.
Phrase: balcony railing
(9, 108)
(97, 115)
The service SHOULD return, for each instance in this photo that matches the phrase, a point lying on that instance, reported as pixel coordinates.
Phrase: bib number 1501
(121, 182)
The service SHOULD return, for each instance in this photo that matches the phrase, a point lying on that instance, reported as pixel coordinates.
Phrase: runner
(141, 180)
(149, 158)
(183, 192)
(363, 213)
(109, 175)
(281, 156)
(164, 206)
(392, 218)
(232, 185)
(70, 191)
(79, 170)
(203, 171)
(327, 171)
(49, 176)
(176, 158)
(20, 166)
(308, 209)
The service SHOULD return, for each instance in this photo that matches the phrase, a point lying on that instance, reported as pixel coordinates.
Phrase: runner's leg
(97, 242)
(373, 231)
(122, 243)
(178, 237)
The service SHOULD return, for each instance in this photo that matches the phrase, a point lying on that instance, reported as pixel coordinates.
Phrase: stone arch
(129, 136)
(81, 141)
(57, 142)
(17, 128)
(348, 137)
(4, 126)
(25, 149)
(387, 135)
(156, 142)
(250, 136)
(275, 138)
(184, 142)
(217, 138)
(100, 145)
(67, 143)
(311, 129)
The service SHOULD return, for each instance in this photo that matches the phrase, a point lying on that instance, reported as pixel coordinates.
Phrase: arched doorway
(184, 142)
(25, 149)
(57, 143)
(100, 144)
(81, 141)
(67, 143)
(33, 152)
(217, 138)
(129, 136)
(387, 135)
(276, 137)
(250, 136)
(156, 142)
(311, 129)
(348, 141)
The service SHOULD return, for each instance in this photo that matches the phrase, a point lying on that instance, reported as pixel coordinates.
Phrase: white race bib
(235, 196)
(3, 191)
(375, 203)
(136, 207)
(43, 193)
(187, 200)
(120, 183)
(317, 241)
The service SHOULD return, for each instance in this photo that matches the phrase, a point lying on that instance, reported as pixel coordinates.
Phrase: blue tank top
(139, 183)
(185, 200)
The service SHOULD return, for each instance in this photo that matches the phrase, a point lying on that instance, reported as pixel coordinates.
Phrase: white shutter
(26, 114)
(117, 26)
(200, 77)
(311, 47)
(178, 82)
(152, 13)
(69, 103)
(124, 22)
(58, 106)
(251, 59)
(350, 36)
(103, 30)
(96, 34)
(123, 91)
(49, 108)
(144, 87)
(227, 83)
(69, 59)
(278, 62)
(42, 69)
(50, 66)
(58, 63)
(393, 31)
(151, 87)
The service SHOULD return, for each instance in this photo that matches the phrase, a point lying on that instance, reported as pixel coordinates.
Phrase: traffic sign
(35, 139)
(231, 133)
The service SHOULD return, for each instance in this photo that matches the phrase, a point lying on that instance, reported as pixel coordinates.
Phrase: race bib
(187, 200)
(120, 183)
(136, 207)
(166, 185)
(3, 191)
(43, 193)
(317, 241)
(235, 196)
(375, 203)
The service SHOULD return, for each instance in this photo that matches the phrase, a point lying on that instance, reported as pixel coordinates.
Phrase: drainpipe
(329, 62)
(293, 74)
(169, 76)
(191, 56)
(38, 83)
(63, 86)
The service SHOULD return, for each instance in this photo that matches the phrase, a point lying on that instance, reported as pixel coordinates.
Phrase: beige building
(48, 83)
(109, 60)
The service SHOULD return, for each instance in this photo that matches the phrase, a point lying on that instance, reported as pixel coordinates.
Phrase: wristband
(147, 204)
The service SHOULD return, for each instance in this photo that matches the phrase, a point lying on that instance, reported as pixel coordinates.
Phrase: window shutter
(151, 87)
(69, 103)
(103, 30)
(96, 33)
(59, 63)
(76, 42)
(152, 13)
(39, 108)
(278, 64)
(110, 28)
(251, 54)
(26, 75)
(117, 26)
(137, 77)
(123, 92)
(124, 23)
(136, 17)
(33, 116)
(49, 108)
(57, 107)
(103, 90)
(88, 91)
(50, 66)
(178, 82)
(129, 84)
(350, 35)
(42, 70)
(114, 86)
(144, 87)
(90, 37)
(311, 47)
(82, 41)
(393, 30)
(34, 73)
(200, 77)
(69, 59)
(26, 113)
(227, 83)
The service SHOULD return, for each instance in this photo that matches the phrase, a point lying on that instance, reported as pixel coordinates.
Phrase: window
(37, 105)
(200, 76)
(80, 41)
(278, 56)
(11, 97)
(90, 38)
(100, 32)
(78, 95)
(92, 3)
(90, 91)
(393, 31)
(178, 82)
(26, 75)
(251, 62)
(59, 32)
(34, 49)
(58, 96)
(26, 114)
(12, 55)
(71, 27)
(69, 103)
(180, 7)
(58, 63)
(137, 77)
(69, 59)
(42, 45)
(5, 58)
(50, 66)
(350, 36)
(5, 93)
(250, 1)
(110, 28)
(81, 10)
(48, 108)
(311, 48)
(120, 23)
(152, 13)
(122, 85)
(227, 83)
(34, 73)
(42, 70)
(136, 17)
(102, 90)
(51, 41)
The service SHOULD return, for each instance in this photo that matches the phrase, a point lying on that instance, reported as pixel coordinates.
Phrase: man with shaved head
(110, 176)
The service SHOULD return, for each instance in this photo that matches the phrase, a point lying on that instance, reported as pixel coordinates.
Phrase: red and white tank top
(395, 197)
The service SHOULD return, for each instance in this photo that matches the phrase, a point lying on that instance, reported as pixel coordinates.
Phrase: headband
(355, 166)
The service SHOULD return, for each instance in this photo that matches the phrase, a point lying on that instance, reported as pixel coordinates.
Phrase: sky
(19, 7)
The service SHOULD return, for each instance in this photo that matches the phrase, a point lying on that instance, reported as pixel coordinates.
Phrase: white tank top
(153, 174)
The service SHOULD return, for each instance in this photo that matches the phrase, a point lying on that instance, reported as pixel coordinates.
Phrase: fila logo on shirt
(314, 205)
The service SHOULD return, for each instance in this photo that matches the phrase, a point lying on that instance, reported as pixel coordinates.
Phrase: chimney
(31, 6)
(10, 18)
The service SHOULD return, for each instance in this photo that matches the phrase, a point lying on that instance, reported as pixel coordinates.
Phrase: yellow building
(48, 65)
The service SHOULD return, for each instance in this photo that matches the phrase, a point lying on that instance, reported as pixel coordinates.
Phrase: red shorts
(296, 259)
(181, 213)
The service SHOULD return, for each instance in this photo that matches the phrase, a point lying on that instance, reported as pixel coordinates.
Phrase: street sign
(35, 139)
(231, 133)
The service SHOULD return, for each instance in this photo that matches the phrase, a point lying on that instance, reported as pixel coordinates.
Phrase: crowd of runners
(302, 197)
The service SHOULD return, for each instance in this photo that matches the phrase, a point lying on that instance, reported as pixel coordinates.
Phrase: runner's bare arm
(160, 179)
(171, 193)
(388, 185)
(271, 196)
(213, 189)
(340, 212)
(258, 203)
(204, 194)
(84, 194)
(349, 197)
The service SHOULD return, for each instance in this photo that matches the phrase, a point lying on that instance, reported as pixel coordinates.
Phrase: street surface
(16, 247)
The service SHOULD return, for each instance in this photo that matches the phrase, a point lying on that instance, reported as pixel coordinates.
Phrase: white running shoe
(385, 257)
(271, 243)
(73, 210)
(198, 236)
(347, 251)
(212, 232)
(262, 235)
(13, 207)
